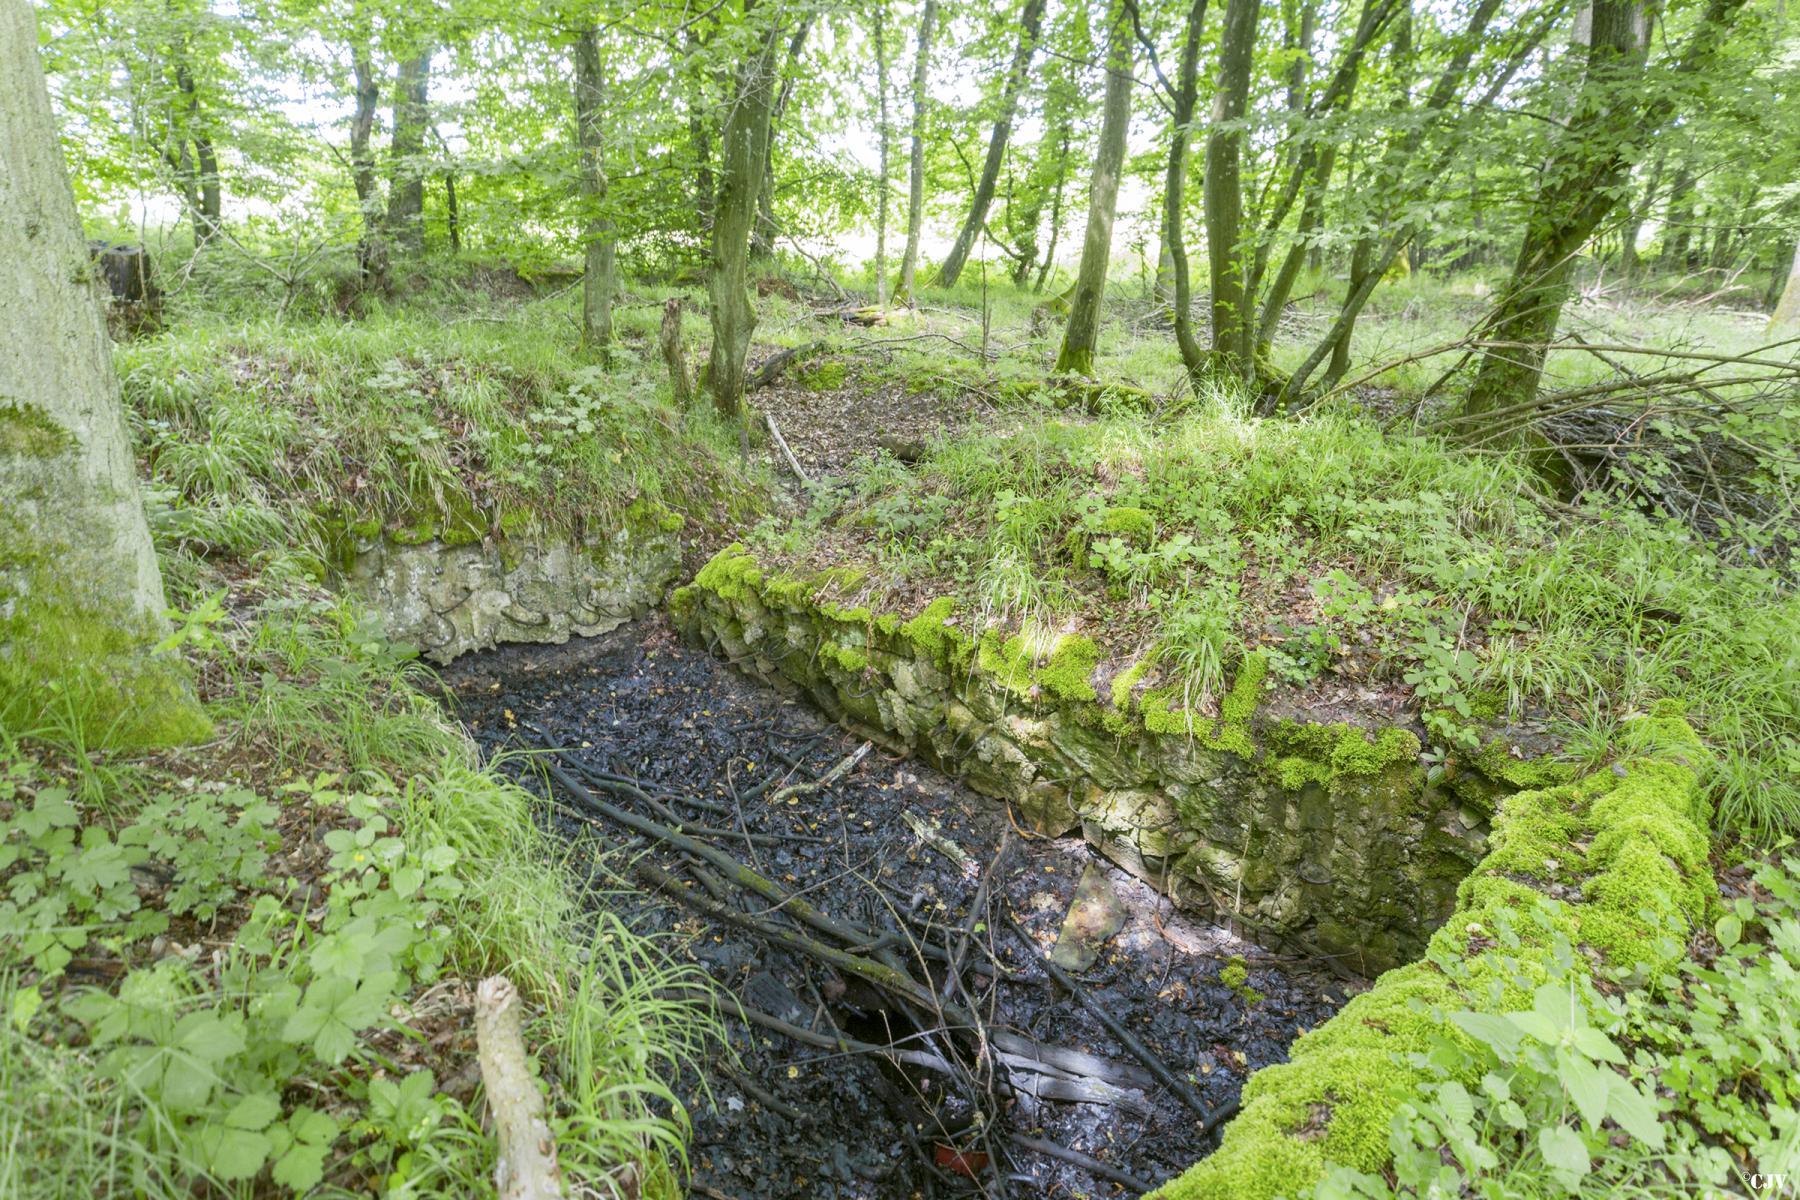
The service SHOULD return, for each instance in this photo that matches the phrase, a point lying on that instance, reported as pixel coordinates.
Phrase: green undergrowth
(314, 432)
(1590, 893)
(245, 967)
(1186, 547)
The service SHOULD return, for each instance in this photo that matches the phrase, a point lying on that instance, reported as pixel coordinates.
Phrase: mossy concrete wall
(1326, 835)
(452, 592)
(1613, 868)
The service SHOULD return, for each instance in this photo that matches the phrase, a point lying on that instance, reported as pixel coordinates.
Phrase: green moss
(1130, 524)
(731, 574)
(647, 516)
(1232, 731)
(1334, 1101)
(1068, 673)
(1496, 761)
(824, 376)
(448, 515)
(935, 639)
(1007, 661)
(850, 658)
(27, 431)
(72, 665)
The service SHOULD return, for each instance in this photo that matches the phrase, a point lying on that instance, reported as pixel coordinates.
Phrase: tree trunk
(1787, 310)
(598, 280)
(406, 188)
(762, 237)
(1223, 187)
(1185, 99)
(915, 185)
(452, 215)
(1388, 174)
(881, 207)
(1634, 221)
(1029, 23)
(1679, 218)
(742, 146)
(1082, 333)
(371, 247)
(1056, 209)
(1583, 176)
(81, 596)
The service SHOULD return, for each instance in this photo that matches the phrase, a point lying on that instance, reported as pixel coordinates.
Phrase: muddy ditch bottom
(978, 1074)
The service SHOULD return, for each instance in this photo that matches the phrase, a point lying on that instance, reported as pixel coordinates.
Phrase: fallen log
(526, 1168)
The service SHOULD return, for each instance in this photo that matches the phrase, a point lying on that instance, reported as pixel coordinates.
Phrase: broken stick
(527, 1168)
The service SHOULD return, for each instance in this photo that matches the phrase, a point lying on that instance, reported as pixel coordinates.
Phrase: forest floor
(779, 1118)
(342, 853)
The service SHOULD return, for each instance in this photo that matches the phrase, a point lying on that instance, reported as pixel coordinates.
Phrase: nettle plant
(205, 1050)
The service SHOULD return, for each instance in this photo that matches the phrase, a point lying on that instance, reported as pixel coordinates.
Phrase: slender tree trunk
(1634, 221)
(915, 184)
(1679, 220)
(762, 237)
(1312, 171)
(1787, 309)
(881, 208)
(1056, 211)
(452, 215)
(1223, 187)
(1388, 175)
(1185, 99)
(598, 275)
(742, 146)
(1585, 171)
(406, 189)
(81, 596)
(1082, 333)
(1030, 22)
(371, 247)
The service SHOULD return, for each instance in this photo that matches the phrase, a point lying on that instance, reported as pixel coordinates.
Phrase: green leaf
(1564, 1150)
(301, 1168)
(1635, 1113)
(254, 1112)
(1586, 1085)
(1728, 929)
(231, 1154)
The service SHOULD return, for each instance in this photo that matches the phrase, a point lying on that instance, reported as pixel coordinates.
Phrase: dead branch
(527, 1168)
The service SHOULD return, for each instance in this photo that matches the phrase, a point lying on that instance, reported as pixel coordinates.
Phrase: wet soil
(790, 1119)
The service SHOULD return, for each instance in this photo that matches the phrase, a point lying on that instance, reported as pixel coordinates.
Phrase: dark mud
(794, 1120)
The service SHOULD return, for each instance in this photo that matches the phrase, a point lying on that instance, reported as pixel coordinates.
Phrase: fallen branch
(1209, 1117)
(1092, 1166)
(527, 1168)
(827, 779)
(777, 363)
(792, 462)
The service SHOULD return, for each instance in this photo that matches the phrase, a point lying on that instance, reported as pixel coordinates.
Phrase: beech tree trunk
(597, 229)
(1223, 188)
(406, 190)
(1082, 333)
(1030, 22)
(915, 185)
(742, 146)
(81, 595)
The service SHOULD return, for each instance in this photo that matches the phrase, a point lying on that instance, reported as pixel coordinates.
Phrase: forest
(915, 599)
